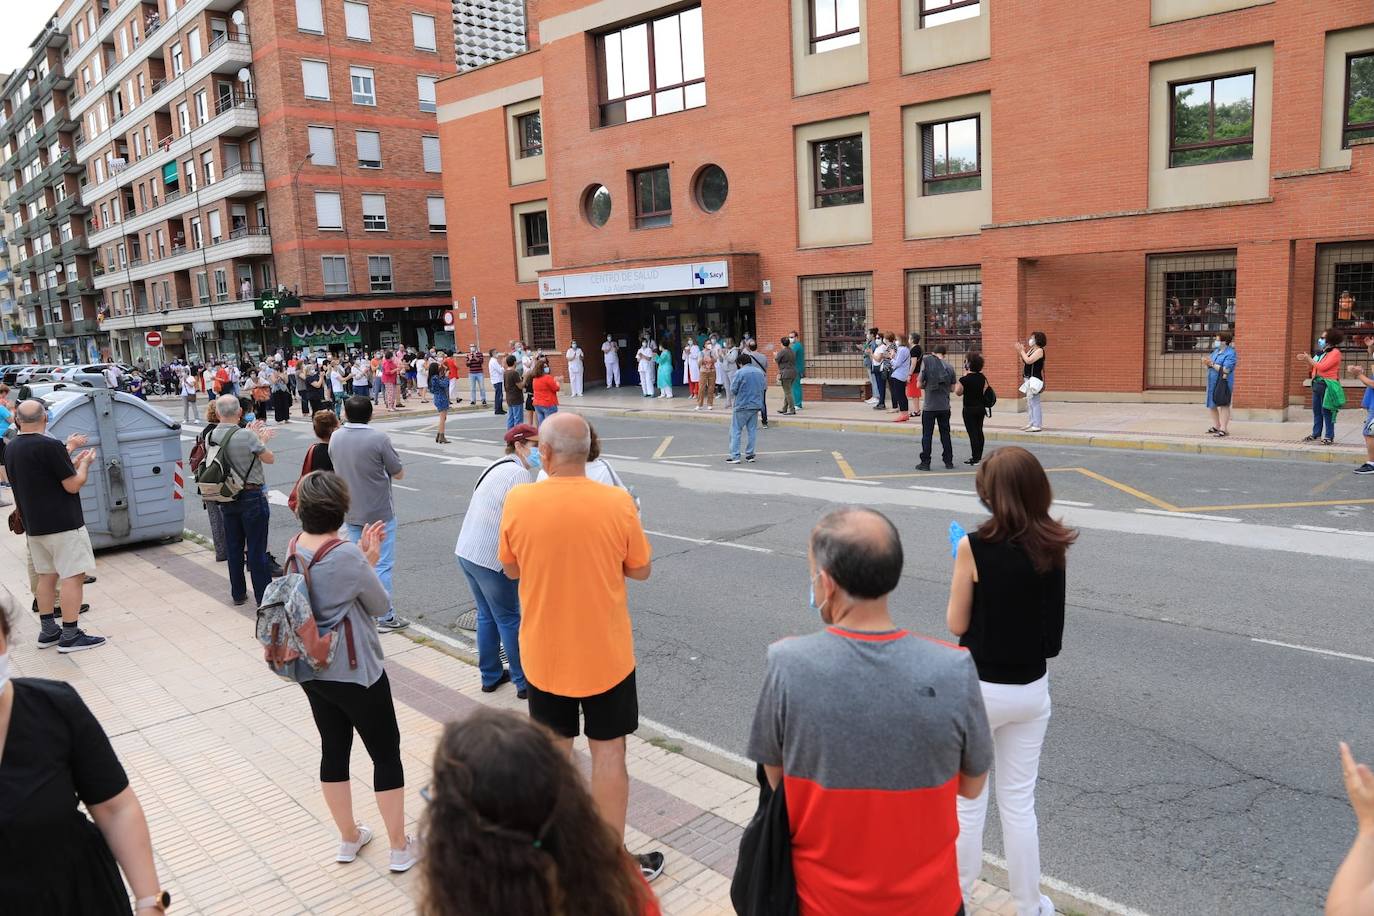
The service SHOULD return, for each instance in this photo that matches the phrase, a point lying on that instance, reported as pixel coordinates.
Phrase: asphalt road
(1190, 766)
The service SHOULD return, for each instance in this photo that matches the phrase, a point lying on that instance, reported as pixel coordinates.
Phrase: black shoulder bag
(764, 883)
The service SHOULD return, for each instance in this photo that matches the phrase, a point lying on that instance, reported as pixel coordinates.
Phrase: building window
(1212, 120)
(596, 205)
(1359, 97)
(940, 12)
(335, 271)
(369, 144)
(442, 280)
(221, 285)
(424, 87)
(841, 314)
(536, 231)
(315, 79)
(539, 327)
(839, 168)
(1345, 296)
(949, 308)
(203, 287)
(429, 147)
(712, 188)
(652, 68)
(309, 17)
(949, 156)
(178, 62)
(836, 312)
(834, 24)
(379, 273)
(653, 198)
(1198, 304)
(529, 129)
(364, 85)
(438, 222)
(422, 28)
(328, 210)
(374, 212)
(357, 25)
(322, 146)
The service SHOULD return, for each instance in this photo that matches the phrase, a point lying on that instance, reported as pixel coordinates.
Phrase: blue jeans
(498, 621)
(385, 561)
(747, 419)
(497, 389)
(1320, 415)
(515, 414)
(245, 530)
(879, 387)
(543, 413)
(477, 388)
(377, 388)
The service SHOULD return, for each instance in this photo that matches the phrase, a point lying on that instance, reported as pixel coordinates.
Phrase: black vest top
(1018, 614)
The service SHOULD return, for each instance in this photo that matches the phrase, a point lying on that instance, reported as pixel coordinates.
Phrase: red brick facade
(1067, 249)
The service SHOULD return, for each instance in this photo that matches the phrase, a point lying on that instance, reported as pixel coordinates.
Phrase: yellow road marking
(845, 467)
(1132, 491)
(1295, 505)
(663, 446)
(1327, 484)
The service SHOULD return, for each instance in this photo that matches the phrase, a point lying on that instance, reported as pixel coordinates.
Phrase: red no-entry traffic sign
(153, 339)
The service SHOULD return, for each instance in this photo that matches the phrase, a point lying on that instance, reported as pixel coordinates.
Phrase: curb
(1337, 454)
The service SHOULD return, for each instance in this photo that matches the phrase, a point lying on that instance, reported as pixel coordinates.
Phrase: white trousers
(1018, 715)
(613, 374)
(646, 378)
(575, 378)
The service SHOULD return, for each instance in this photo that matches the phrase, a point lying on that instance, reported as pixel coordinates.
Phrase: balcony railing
(227, 102)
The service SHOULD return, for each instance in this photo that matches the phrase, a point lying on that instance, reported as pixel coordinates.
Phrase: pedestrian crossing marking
(663, 446)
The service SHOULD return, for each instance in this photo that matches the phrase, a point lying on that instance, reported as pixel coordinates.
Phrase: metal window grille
(837, 312)
(1190, 298)
(539, 327)
(946, 306)
(1344, 297)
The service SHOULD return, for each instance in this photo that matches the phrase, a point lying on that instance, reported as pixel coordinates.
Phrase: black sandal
(1221, 434)
(1328, 441)
(1212, 429)
(1308, 439)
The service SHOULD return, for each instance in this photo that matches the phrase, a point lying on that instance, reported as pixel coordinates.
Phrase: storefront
(374, 329)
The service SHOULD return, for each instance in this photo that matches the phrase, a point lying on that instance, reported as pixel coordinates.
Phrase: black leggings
(899, 399)
(340, 708)
(973, 423)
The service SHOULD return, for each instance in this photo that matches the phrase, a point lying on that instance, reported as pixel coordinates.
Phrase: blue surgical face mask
(535, 460)
(814, 606)
(250, 417)
(4, 670)
(1321, 343)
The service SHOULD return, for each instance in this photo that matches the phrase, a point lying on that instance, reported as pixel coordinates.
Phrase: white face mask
(4, 670)
(1030, 341)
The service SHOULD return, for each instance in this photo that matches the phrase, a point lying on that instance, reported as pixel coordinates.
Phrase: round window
(596, 205)
(712, 188)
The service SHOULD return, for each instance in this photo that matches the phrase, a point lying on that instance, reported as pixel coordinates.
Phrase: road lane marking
(1177, 513)
(844, 466)
(407, 451)
(708, 542)
(1086, 896)
(685, 464)
(1132, 491)
(867, 483)
(401, 486)
(663, 446)
(1365, 534)
(1070, 502)
(796, 451)
(1327, 484)
(943, 490)
(761, 471)
(1334, 654)
(1317, 504)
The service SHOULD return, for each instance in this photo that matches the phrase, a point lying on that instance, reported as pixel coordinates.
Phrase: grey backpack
(217, 481)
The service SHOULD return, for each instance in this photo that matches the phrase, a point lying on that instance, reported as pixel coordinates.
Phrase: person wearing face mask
(497, 597)
(644, 357)
(890, 775)
(1033, 370)
(1221, 366)
(56, 754)
(576, 368)
(1326, 372)
(610, 353)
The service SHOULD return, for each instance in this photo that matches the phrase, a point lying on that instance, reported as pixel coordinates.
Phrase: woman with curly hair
(512, 829)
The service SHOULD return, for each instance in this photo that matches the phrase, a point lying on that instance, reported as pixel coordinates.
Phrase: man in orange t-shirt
(571, 542)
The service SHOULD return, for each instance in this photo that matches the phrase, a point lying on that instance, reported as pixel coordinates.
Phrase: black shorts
(610, 715)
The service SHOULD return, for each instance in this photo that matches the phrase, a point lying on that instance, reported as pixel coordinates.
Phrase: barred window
(1345, 296)
(837, 311)
(946, 307)
(1198, 304)
(539, 327)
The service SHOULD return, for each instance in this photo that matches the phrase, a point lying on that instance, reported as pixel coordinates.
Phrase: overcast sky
(23, 20)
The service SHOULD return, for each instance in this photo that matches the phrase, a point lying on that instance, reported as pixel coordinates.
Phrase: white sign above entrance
(663, 278)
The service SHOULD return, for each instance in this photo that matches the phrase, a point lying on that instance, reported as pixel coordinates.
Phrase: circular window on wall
(712, 188)
(596, 205)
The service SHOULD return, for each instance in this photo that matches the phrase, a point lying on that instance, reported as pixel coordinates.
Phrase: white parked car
(87, 375)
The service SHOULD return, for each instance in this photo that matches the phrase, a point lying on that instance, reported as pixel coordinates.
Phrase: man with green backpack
(232, 476)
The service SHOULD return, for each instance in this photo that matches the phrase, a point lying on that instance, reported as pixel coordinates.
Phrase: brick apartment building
(226, 148)
(1130, 184)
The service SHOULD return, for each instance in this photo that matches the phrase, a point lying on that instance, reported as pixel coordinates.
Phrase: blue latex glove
(956, 534)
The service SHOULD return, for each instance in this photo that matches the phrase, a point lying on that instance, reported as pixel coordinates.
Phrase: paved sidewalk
(224, 755)
(1149, 427)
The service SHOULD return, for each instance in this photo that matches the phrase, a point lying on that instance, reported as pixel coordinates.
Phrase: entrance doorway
(668, 322)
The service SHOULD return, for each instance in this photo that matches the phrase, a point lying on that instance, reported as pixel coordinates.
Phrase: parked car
(38, 373)
(10, 374)
(87, 375)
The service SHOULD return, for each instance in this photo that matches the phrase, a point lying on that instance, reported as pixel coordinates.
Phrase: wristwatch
(161, 901)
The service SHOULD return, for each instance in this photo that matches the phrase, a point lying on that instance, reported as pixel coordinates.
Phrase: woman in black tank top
(1006, 605)
(1033, 367)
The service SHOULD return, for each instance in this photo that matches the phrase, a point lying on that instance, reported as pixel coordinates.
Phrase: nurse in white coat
(611, 353)
(645, 358)
(576, 368)
(691, 359)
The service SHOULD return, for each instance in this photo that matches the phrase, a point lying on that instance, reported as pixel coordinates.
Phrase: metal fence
(1190, 298)
(946, 306)
(1344, 297)
(837, 311)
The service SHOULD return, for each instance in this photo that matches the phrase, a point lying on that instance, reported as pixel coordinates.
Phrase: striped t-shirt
(477, 541)
(872, 731)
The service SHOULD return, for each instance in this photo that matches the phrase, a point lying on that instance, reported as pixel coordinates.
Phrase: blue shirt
(1225, 358)
(748, 387)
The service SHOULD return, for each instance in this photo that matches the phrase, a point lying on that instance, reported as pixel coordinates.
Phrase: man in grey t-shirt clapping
(365, 458)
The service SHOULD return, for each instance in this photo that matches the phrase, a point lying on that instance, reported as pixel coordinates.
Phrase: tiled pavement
(224, 755)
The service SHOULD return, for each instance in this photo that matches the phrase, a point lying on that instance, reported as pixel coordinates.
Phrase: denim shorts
(1369, 423)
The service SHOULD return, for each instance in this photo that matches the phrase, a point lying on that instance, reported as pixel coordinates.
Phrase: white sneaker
(403, 860)
(871, 401)
(349, 851)
(1033, 429)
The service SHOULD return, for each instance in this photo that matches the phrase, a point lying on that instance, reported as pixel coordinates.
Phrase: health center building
(973, 170)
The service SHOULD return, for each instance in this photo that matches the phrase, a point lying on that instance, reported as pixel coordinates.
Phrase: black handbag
(1221, 392)
(764, 883)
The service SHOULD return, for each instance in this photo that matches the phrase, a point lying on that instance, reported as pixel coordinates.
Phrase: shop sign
(202, 327)
(660, 279)
(322, 334)
(237, 324)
